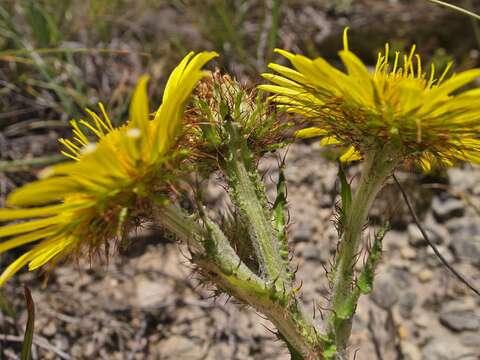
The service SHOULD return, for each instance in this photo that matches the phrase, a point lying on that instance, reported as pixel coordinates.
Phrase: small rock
(50, 329)
(461, 179)
(385, 293)
(466, 249)
(446, 349)
(460, 320)
(411, 351)
(150, 294)
(432, 260)
(302, 233)
(416, 239)
(470, 339)
(310, 252)
(179, 347)
(408, 253)
(425, 275)
(406, 304)
(422, 321)
(465, 235)
(445, 209)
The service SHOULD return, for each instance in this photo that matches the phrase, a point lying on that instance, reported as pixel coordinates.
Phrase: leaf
(28, 337)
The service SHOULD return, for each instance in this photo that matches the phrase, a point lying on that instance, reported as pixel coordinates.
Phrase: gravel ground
(148, 305)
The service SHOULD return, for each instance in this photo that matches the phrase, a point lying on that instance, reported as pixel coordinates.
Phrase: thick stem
(215, 257)
(377, 167)
(246, 196)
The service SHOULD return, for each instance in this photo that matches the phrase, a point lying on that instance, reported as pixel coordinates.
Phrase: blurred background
(58, 57)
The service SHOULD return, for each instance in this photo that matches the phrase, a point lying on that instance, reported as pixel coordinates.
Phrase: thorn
(269, 330)
(299, 287)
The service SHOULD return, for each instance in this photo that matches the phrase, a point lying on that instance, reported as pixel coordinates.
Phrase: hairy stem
(377, 167)
(250, 199)
(217, 260)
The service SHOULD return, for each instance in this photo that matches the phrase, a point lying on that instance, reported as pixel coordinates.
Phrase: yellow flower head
(82, 205)
(400, 104)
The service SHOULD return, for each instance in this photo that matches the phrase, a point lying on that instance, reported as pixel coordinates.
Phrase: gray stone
(179, 347)
(416, 239)
(385, 293)
(466, 249)
(310, 252)
(446, 349)
(445, 209)
(432, 260)
(407, 304)
(460, 320)
(151, 294)
(461, 180)
(411, 351)
(465, 234)
(302, 233)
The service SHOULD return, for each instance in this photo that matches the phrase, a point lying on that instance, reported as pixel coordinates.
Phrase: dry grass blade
(456, 8)
(28, 337)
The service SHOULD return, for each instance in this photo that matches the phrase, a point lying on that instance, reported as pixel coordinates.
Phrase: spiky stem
(213, 254)
(378, 166)
(249, 197)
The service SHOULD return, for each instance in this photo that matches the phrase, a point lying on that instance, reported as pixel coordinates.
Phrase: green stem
(248, 193)
(175, 220)
(218, 261)
(377, 167)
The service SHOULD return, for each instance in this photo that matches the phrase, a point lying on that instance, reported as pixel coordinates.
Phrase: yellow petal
(41, 192)
(28, 226)
(178, 89)
(139, 106)
(25, 239)
(13, 268)
(350, 155)
(309, 133)
(329, 140)
(14, 214)
(47, 250)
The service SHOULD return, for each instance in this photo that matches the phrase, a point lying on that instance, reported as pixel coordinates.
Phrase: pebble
(425, 275)
(408, 253)
(460, 320)
(446, 209)
(385, 293)
(150, 294)
(442, 348)
(302, 233)
(179, 347)
(465, 234)
(411, 351)
(407, 303)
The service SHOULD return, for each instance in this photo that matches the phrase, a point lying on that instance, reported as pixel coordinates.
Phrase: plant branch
(249, 197)
(378, 166)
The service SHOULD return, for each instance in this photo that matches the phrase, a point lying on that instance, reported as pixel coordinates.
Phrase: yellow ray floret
(82, 205)
(402, 103)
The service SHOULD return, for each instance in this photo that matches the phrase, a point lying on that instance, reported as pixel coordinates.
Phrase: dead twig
(431, 244)
(19, 165)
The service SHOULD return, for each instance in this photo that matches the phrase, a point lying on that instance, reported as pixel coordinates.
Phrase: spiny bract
(424, 117)
(81, 205)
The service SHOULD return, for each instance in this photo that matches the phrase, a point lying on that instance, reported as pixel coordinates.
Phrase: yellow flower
(82, 205)
(421, 113)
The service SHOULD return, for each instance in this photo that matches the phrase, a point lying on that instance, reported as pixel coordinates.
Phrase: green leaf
(28, 337)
